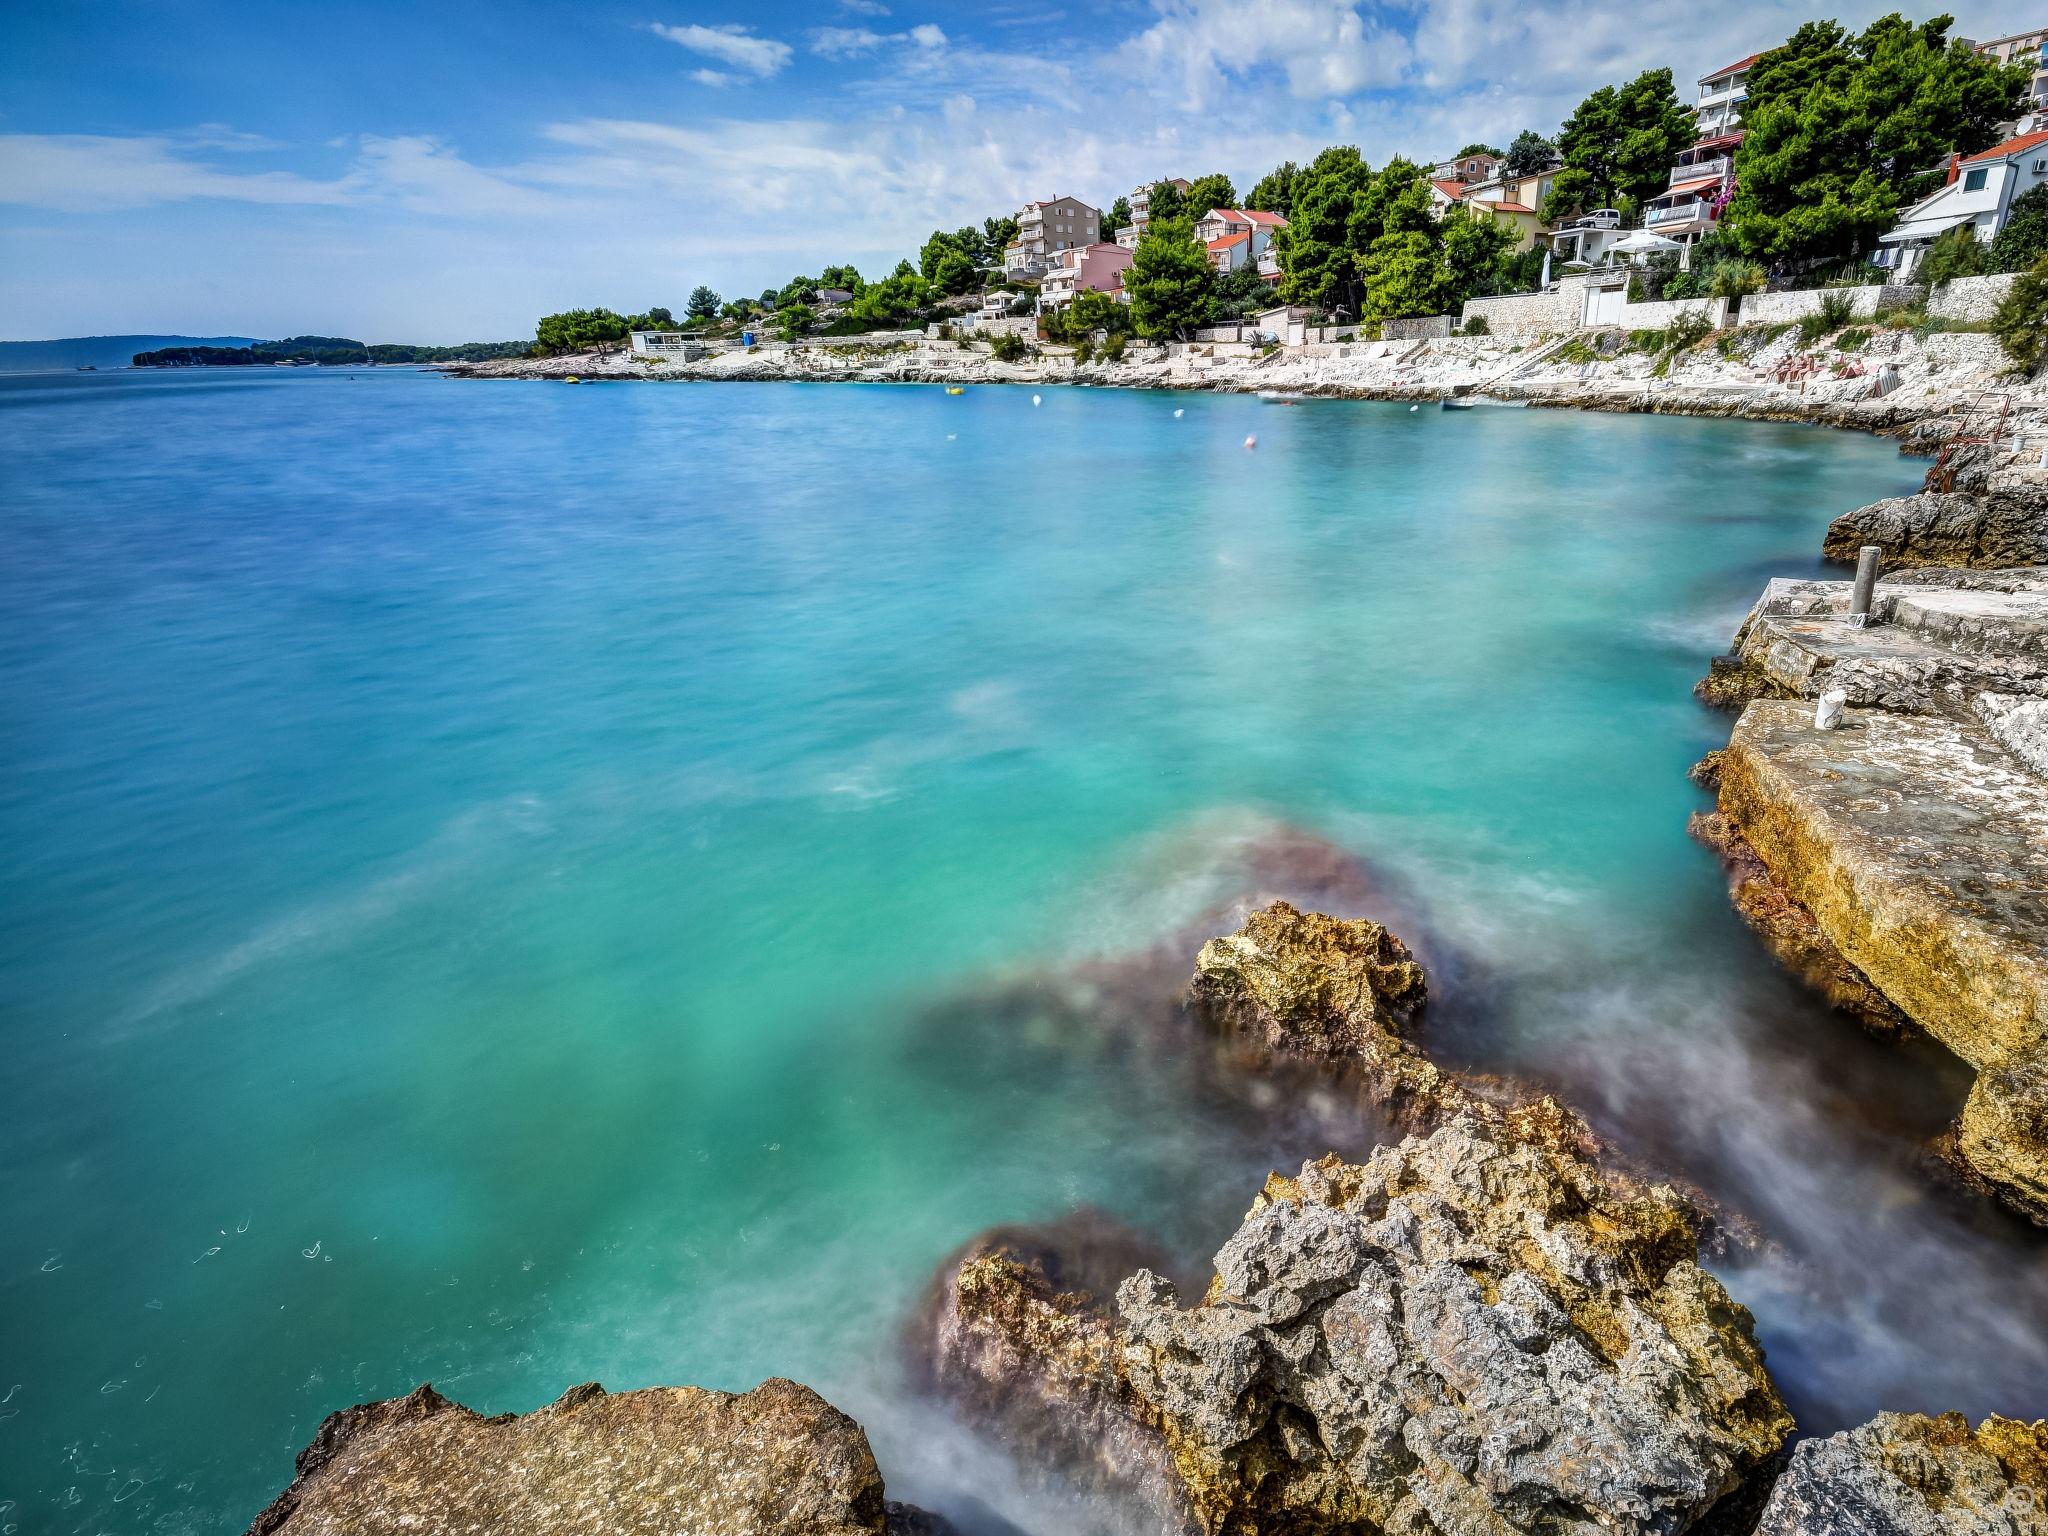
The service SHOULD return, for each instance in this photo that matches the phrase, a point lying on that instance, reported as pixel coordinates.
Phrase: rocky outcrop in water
(1950, 528)
(1904, 1474)
(1468, 1332)
(776, 1461)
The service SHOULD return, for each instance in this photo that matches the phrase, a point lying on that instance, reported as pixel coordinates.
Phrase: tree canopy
(1475, 149)
(1530, 153)
(2024, 240)
(703, 303)
(1844, 129)
(1170, 281)
(1618, 146)
(579, 330)
(1274, 191)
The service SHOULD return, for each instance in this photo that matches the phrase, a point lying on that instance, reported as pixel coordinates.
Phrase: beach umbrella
(1641, 242)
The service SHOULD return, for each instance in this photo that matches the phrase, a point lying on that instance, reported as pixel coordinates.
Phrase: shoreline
(1942, 375)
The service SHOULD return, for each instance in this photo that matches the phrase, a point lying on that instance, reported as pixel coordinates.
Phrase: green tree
(579, 330)
(1318, 265)
(937, 249)
(1404, 275)
(2024, 240)
(1530, 153)
(1206, 192)
(1475, 149)
(1239, 295)
(1844, 128)
(1168, 203)
(995, 234)
(2021, 323)
(1170, 282)
(703, 303)
(1618, 145)
(798, 290)
(846, 277)
(956, 273)
(1117, 216)
(1478, 257)
(794, 321)
(893, 302)
(1090, 311)
(1274, 191)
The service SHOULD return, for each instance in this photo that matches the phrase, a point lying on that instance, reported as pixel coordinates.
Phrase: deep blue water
(514, 884)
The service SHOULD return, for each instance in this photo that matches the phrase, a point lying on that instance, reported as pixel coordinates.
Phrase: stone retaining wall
(1661, 314)
(1783, 308)
(1424, 328)
(1529, 314)
(1970, 298)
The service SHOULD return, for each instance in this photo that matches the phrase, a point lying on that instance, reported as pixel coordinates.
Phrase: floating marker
(1414, 407)
(1178, 414)
(1034, 399)
(1251, 442)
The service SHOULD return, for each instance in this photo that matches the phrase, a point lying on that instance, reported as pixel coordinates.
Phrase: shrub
(1855, 339)
(1575, 351)
(1113, 349)
(1956, 253)
(1007, 348)
(1688, 330)
(1732, 279)
(1646, 341)
(1476, 326)
(2021, 324)
(2024, 240)
(1084, 352)
(1836, 310)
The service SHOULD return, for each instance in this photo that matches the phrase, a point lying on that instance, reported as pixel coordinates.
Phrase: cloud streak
(733, 45)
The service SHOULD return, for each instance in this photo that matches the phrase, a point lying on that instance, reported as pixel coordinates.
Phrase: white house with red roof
(1237, 238)
(1722, 94)
(1979, 193)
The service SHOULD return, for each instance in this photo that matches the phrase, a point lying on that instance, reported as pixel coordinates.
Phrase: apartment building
(1099, 266)
(1046, 228)
(1127, 235)
(1722, 94)
(1237, 238)
(1979, 193)
(2026, 47)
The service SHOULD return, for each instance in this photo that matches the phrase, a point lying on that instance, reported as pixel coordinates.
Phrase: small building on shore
(683, 346)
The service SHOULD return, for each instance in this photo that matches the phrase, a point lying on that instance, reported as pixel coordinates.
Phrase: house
(1046, 228)
(1237, 238)
(835, 295)
(1099, 266)
(1979, 193)
(1722, 94)
(2026, 46)
(1141, 210)
(676, 344)
(1445, 194)
(1513, 200)
(1589, 237)
(1483, 166)
(1701, 183)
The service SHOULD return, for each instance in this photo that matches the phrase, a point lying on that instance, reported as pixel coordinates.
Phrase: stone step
(1889, 666)
(1977, 622)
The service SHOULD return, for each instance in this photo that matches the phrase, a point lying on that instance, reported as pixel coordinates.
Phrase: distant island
(327, 350)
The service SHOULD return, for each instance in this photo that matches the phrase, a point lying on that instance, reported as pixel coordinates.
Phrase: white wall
(1970, 298)
(1779, 308)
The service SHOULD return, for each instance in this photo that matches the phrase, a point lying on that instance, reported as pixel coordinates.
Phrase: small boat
(955, 389)
(1281, 397)
(1453, 403)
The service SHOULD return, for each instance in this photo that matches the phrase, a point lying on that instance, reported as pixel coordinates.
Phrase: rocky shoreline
(1487, 1327)
(1764, 375)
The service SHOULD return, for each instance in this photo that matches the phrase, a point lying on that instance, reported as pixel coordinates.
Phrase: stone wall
(1969, 298)
(1424, 328)
(1661, 314)
(1528, 314)
(1783, 308)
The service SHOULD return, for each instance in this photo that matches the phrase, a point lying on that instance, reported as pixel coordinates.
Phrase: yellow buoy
(572, 379)
(955, 389)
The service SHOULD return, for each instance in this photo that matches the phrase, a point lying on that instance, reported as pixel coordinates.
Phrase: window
(1973, 181)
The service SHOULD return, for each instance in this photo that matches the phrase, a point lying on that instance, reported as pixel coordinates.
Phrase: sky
(449, 170)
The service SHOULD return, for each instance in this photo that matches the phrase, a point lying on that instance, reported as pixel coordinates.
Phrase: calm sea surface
(510, 884)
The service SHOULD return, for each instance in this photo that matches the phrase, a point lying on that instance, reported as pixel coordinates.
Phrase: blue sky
(447, 170)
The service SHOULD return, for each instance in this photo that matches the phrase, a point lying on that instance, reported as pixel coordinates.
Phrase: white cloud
(864, 7)
(731, 44)
(84, 173)
(1323, 47)
(927, 36)
(844, 42)
(714, 77)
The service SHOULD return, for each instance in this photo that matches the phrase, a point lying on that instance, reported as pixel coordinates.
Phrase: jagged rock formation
(776, 1461)
(1947, 528)
(1468, 1333)
(1904, 856)
(1904, 1474)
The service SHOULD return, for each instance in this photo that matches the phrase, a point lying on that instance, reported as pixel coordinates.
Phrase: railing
(1718, 166)
(1677, 213)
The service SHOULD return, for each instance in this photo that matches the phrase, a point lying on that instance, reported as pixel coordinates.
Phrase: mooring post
(1866, 584)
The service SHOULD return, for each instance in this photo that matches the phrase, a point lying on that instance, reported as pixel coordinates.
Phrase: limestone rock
(1905, 1474)
(1919, 847)
(1303, 984)
(1789, 931)
(2005, 528)
(1470, 1334)
(778, 1459)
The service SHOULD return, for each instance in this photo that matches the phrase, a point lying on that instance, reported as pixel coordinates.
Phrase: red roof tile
(1227, 242)
(1729, 69)
(2009, 148)
(1454, 190)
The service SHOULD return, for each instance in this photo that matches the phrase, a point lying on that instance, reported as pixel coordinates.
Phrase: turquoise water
(512, 885)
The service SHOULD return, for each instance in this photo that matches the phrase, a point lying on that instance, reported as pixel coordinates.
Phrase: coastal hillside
(98, 351)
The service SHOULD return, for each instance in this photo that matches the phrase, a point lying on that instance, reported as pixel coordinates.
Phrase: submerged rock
(1904, 1474)
(778, 1459)
(1469, 1332)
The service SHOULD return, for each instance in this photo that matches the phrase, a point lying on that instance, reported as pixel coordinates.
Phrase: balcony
(1127, 236)
(1719, 166)
(1694, 210)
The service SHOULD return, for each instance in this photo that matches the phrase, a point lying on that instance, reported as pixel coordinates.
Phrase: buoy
(955, 389)
(1034, 399)
(572, 379)
(1178, 414)
(1414, 407)
(1251, 442)
(952, 437)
